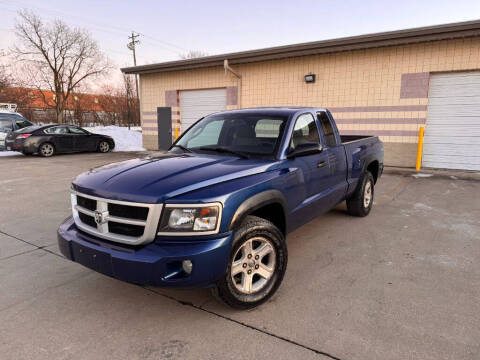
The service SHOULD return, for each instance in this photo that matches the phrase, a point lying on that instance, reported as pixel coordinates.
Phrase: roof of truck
(273, 110)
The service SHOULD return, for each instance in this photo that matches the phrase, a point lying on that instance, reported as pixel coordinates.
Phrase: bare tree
(193, 54)
(57, 57)
(131, 99)
(4, 82)
(3, 78)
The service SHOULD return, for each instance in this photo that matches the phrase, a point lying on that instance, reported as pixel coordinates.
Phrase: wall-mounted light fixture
(310, 78)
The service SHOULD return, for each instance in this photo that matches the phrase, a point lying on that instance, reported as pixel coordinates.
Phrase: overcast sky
(170, 28)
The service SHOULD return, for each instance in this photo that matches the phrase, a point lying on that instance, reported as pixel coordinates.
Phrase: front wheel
(361, 202)
(104, 147)
(257, 264)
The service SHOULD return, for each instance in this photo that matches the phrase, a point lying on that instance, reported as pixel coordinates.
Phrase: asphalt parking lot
(402, 283)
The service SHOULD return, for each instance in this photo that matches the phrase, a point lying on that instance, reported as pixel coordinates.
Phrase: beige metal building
(386, 84)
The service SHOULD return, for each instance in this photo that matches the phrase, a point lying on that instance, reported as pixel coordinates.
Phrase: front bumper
(158, 264)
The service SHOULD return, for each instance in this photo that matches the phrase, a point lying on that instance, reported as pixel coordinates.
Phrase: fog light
(187, 266)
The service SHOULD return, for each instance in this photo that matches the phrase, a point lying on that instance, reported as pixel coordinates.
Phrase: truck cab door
(312, 171)
(337, 160)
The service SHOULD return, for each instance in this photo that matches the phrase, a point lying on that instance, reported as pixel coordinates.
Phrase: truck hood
(155, 179)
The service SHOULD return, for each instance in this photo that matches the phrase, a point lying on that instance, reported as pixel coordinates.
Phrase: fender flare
(256, 202)
(368, 160)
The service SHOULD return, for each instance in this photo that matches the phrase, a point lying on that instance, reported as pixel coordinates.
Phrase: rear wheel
(361, 202)
(257, 264)
(46, 150)
(103, 147)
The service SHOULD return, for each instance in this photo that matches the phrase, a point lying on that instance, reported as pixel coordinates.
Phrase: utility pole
(131, 46)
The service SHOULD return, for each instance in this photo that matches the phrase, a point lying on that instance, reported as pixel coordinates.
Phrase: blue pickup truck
(214, 211)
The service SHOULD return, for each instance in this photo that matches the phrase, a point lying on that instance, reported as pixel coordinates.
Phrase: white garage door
(452, 133)
(195, 104)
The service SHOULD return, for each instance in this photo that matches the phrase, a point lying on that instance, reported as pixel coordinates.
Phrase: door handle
(321, 164)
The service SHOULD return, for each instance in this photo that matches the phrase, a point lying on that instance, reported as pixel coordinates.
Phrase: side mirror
(305, 149)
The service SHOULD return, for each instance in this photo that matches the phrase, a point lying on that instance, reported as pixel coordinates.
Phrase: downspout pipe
(228, 69)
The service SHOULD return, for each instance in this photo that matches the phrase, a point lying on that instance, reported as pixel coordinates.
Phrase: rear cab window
(327, 127)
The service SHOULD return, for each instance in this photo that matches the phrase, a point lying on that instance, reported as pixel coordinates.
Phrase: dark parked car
(10, 122)
(53, 139)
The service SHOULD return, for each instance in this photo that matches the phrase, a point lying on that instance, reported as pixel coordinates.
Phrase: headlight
(181, 219)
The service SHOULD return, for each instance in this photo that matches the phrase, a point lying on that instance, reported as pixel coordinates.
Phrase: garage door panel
(459, 90)
(195, 104)
(472, 160)
(468, 77)
(457, 100)
(452, 133)
(454, 110)
(449, 140)
(451, 165)
(448, 149)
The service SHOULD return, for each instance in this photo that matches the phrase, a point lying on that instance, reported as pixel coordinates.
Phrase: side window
(305, 131)
(208, 135)
(327, 129)
(56, 130)
(75, 130)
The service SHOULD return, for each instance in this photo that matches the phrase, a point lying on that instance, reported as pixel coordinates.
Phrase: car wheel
(361, 202)
(46, 150)
(104, 147)
(256, 267)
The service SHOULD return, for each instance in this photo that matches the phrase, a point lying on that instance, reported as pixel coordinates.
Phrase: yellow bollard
(176, 132)
(420, 148)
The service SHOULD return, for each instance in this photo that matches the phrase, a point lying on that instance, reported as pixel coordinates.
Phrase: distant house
(82, 109)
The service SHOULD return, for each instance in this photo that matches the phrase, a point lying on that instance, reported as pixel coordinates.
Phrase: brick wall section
(380, 91)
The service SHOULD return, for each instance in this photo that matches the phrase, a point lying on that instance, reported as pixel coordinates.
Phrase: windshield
(240, 133)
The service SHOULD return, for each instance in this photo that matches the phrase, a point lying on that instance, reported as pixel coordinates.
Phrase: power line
(107, 29)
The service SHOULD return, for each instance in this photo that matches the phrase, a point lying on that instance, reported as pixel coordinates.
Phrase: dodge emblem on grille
(101, 217)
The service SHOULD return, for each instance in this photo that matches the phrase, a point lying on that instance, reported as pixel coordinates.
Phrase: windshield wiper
(225, 150)
(185, 149)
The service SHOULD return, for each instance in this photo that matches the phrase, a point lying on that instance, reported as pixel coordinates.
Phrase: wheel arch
(48, 141)
(270, 205)
(372, 164)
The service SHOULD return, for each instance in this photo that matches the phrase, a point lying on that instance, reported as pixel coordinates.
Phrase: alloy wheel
(367, 194)
(104, 147)
(253, 265)
(47, 150)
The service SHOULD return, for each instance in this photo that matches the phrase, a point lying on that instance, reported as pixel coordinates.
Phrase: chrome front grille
(119, 221)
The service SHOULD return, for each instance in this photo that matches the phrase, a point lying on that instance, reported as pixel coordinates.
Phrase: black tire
(254, 228)
(356, 204)
(104, 146)
(46, 149)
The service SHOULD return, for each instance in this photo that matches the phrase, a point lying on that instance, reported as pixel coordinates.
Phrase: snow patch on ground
(10, 153)
(420, 175)
(125, 140)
